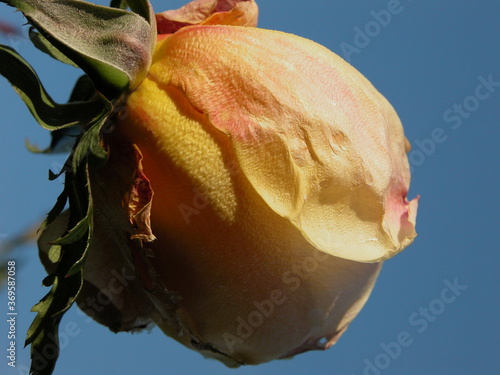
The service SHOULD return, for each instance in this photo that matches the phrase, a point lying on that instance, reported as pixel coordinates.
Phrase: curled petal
(139, 204)
(316, 140)
(208, 12)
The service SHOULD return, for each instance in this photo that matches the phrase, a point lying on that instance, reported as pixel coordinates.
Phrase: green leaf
(55, 253)
(89, 144)
(56, 210)
(77, 266)
(43, 332)
(49, 114)
(64, 139)
(40, 42)
(67, 279)
(120, 4)
(113, 46)
(77, 232)
(144, 9)
(49, 280)
(83, 90)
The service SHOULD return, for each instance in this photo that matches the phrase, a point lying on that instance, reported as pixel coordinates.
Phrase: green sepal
(53, 176)
(145, 10)
(83, 90)
(44, 337)
(88, 144)
(40, 42)
(49, 114)
(49, 280)
(62, 140)
(120, 4)
(62, 199)
(55, 253)
(74, 233)
(74, 244)
(141, 7)
(66, 280)
(79, 263)
(113, 46)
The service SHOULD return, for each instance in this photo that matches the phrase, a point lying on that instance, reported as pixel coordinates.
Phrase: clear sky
(438, 63)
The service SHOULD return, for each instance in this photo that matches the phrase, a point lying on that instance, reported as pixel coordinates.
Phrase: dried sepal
(118, 262)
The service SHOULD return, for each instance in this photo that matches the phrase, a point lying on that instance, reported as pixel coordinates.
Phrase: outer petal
(224, 251)
(316, 140)
(208, 12)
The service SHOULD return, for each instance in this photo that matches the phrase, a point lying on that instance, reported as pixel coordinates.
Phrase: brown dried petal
(121, 289)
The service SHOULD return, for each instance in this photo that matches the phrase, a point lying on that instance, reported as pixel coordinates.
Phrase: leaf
(49, 114)
(144, 9)
(66, 280)
(55, 253)
(84, 90)
(75, 233)
(62, 199)
(89, 144)
(77, 266)
(120, 4)
(40, 42)
(64, 139)
(113, 46)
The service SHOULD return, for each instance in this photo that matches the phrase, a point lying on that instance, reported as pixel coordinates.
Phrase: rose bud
(255, 184)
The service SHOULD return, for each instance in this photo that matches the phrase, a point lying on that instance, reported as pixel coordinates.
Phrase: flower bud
(280, 179)
(255, 184)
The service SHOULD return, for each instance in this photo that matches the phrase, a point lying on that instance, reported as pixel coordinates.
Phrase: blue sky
(438, 64)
